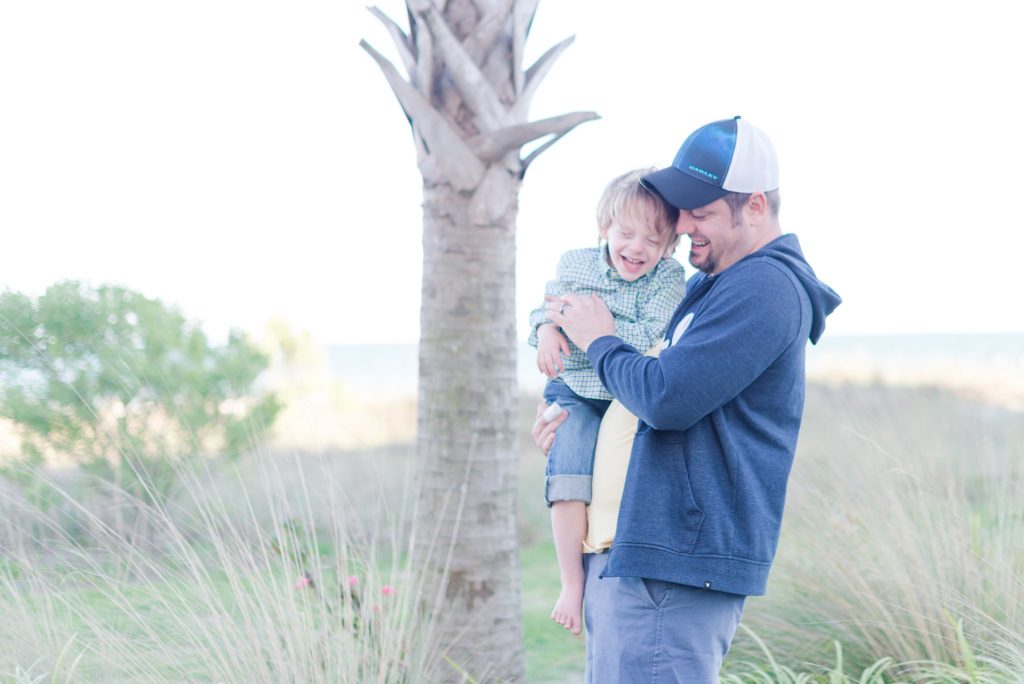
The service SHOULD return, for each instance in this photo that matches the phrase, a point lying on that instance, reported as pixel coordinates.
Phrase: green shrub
(122, 384)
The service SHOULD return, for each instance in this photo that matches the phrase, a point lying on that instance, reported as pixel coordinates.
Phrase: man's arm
(740, 331)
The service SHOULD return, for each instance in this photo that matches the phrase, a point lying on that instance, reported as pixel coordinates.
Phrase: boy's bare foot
(568, 610)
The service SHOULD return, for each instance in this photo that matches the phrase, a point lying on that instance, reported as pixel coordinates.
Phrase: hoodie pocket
(658, 508)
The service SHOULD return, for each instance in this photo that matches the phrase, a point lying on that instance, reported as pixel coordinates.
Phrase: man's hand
(543, 431)
(551, 345)
(583, 319)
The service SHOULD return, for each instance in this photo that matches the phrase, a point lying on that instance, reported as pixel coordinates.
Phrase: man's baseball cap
(721, 157)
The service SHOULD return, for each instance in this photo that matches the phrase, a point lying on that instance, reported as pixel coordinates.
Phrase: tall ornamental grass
(901, 560)
(231, 582)
(903, 538)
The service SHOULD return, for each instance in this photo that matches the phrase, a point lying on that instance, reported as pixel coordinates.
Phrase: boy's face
(634, 246)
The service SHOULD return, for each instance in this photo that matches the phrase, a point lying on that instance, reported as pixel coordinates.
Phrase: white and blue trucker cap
(718, 158)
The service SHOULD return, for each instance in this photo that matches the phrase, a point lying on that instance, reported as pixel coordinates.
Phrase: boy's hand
(551, 344)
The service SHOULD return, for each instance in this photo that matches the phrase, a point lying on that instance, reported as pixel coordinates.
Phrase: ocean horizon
(388, 371)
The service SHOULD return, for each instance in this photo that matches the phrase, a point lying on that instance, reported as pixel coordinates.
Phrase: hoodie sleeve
(750, 317)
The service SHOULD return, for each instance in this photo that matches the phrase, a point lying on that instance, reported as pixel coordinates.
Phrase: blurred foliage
(114, 380)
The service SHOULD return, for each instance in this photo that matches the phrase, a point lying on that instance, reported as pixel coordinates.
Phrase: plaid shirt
(641, 308)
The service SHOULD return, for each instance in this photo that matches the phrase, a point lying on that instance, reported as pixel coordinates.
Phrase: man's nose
(684, 226)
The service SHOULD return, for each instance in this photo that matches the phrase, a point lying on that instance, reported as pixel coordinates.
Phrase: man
(719, 411)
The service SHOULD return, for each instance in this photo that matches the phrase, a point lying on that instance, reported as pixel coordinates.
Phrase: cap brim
(682, 190)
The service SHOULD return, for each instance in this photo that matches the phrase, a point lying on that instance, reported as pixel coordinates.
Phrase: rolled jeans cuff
(567, 488)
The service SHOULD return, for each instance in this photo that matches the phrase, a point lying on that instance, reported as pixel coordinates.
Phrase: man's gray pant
(641, 630)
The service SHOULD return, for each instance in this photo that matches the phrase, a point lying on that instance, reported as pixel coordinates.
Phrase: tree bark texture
(467, 98)
(466, 446)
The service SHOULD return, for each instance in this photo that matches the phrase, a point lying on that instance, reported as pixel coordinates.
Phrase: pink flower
(302, 582)
(387, 590)
(352, 581)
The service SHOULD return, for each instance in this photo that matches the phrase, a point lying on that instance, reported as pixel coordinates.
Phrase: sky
(247, 160)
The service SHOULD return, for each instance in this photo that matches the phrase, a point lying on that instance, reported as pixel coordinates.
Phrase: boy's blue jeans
(570, 467)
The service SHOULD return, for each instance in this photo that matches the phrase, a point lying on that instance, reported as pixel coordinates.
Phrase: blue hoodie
(719, 414)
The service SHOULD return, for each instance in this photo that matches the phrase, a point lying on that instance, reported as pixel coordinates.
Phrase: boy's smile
(634, 247)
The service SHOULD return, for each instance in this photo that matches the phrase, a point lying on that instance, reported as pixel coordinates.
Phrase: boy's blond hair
(626, 196)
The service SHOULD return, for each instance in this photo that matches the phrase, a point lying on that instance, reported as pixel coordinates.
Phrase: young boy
(633, 272)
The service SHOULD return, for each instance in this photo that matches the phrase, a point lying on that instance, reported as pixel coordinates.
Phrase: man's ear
(757, 206)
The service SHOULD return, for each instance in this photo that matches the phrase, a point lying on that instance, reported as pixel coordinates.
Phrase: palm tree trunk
(467, 464)
(467, 98)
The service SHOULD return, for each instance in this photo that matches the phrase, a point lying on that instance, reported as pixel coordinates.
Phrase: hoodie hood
(823, 298)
